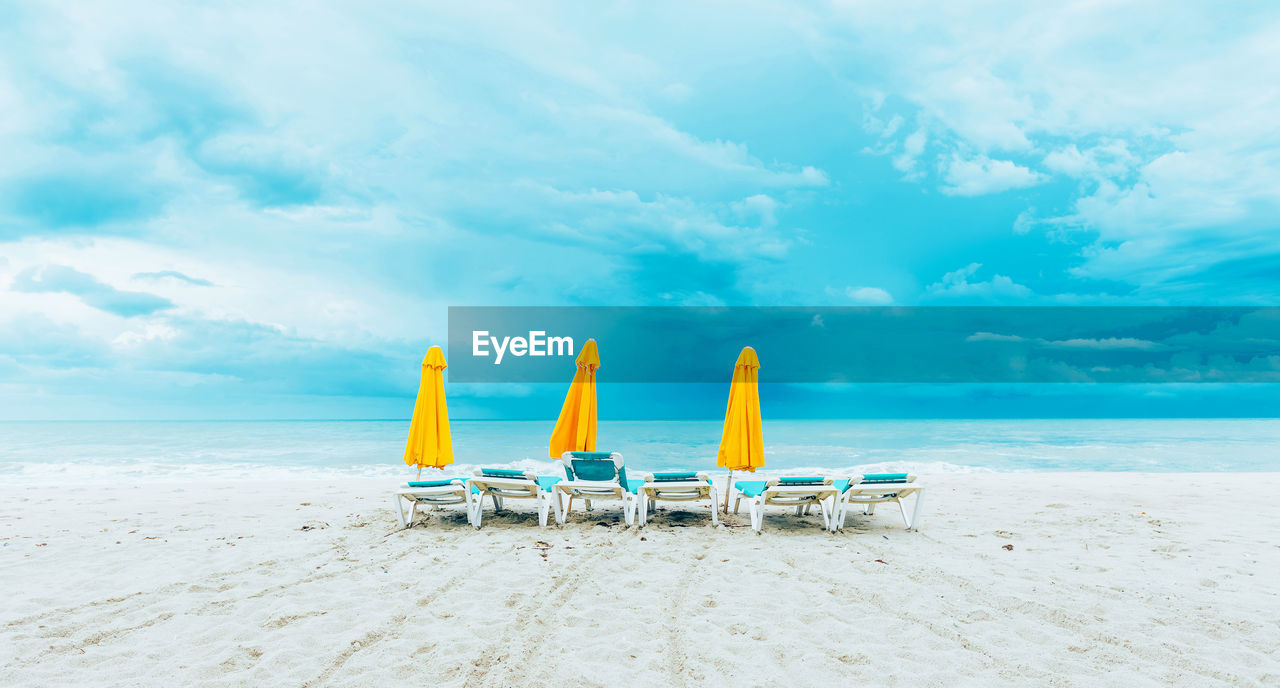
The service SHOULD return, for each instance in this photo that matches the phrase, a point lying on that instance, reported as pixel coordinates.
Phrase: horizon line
(652, 420)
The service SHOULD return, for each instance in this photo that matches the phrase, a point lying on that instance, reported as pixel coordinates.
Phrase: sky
(263, 210)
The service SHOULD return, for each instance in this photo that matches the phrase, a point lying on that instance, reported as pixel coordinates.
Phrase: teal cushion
(751, 488)
(681, 476)
(501, 473)
(434, 483)
(592, 455)
(884, 478)
(807, 480)
(630, 485)
(547, 481)
(594, 469)
(840, 485)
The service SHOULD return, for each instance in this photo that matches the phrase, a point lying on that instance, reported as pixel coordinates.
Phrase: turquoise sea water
(138, 451)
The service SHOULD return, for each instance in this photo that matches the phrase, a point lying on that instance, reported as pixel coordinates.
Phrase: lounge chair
(432, 492)
(595, 475)
(500, 484)
(801, 493)
(872, 489)
(676, 487)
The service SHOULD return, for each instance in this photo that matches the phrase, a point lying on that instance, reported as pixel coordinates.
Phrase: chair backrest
(499, 473)
(804, 480)
(507, 473)
(604, 467)
(434, 483)
(878, 478)
(675, 477)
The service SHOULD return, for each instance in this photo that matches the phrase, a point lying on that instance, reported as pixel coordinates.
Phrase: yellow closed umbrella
(576, 428)
(742, 443)
(430, 444)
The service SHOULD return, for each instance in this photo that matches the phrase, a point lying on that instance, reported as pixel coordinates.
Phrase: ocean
(116, 452)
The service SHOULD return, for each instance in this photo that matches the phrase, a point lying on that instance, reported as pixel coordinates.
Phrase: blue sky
(263, 210)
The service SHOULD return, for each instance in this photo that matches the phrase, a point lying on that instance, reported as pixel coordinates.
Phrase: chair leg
(544, 505)
(399, 510)
(715, 507)
(644, 509)
(914, 524)
(477, 510)
(561, 509)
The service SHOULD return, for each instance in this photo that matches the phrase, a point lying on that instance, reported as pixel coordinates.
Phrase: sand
(1020, 579)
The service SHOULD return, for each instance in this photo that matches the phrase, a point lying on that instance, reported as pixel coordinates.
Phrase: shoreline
(1111, 579)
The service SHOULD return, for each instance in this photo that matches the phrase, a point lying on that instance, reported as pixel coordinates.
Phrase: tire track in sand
(518, 644)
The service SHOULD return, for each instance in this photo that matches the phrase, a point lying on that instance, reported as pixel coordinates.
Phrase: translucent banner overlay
(929, 344)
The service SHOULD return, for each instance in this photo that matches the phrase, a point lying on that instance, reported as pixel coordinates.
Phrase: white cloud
(981, 175)
(912, 149)
(622, 222)
(1106, 344)
(1111, 159)
(313, 305)
(1025, 220)
(148, 332)
(653, 136)
(956, 285)
(759, 209)
(994, 337)
(677, 92)
(1176, 136)
(868, 296)
(1184, 191)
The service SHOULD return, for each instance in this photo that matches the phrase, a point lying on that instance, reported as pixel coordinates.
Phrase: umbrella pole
(727, 484)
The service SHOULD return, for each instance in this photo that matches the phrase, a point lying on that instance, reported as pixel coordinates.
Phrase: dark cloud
(74, 199)
(173, 274)
(62, 279)
(271, 359)
(40, 342)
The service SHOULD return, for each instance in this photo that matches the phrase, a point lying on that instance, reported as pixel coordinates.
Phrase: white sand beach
(1078, 579)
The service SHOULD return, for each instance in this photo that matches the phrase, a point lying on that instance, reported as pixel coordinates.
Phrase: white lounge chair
(801, 493)
(501, 484)
(431, 492)
(595, 475)
(676, 487)
(872, 489)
